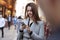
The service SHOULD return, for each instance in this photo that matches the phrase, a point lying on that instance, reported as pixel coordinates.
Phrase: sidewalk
(9, 34)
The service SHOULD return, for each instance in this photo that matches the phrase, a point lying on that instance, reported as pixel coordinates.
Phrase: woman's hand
(28, 29)
(23, 27)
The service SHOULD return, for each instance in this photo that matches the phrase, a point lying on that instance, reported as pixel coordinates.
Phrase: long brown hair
(34, 12)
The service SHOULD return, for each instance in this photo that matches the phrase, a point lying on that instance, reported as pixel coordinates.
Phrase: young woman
(33, 27)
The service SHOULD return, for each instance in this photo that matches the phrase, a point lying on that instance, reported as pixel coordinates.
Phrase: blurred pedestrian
(2, 24)
(9, 21)
(19, 23)
(15, 21)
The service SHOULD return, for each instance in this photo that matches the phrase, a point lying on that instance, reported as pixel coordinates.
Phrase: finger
(24, 26)
(27, 27)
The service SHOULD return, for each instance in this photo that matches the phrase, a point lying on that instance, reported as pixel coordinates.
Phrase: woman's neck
(31, 19)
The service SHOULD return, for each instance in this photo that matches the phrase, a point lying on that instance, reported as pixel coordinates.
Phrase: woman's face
(29, 11)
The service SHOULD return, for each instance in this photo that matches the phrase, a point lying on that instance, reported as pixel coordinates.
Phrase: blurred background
(15, 8)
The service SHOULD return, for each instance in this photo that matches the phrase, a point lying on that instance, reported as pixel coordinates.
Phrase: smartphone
(23, 24)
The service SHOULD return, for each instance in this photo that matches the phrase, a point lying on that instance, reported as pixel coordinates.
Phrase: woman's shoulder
(40, 22)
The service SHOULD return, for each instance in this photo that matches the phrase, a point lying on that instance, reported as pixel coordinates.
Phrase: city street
(9, 34)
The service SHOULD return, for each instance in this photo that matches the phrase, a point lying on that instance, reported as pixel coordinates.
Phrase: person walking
(19, 23)
(2, 24)
(15, 21)
(9, 21)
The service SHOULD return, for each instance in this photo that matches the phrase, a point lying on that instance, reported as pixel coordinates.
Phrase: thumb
(26, 27)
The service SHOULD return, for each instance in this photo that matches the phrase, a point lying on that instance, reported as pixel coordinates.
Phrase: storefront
(7, 7)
